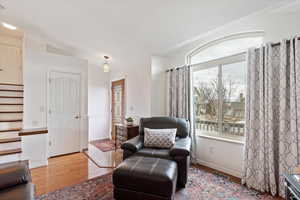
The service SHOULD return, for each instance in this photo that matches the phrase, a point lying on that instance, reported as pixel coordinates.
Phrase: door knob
(77, 117)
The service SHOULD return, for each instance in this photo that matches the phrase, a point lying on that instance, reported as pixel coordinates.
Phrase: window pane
(233, 100)
(206, 103)
(219, 101)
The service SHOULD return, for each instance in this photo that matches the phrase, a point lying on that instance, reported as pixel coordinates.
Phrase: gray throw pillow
(159, 138)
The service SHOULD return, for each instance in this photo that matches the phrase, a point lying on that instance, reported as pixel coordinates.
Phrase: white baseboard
(233, 172)
(38, 163)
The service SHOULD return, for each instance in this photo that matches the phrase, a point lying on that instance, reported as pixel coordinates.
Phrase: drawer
(122, 133)
(121, 128)
(121, 138)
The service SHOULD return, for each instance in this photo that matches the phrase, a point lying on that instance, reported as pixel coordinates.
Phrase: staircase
(11, 118)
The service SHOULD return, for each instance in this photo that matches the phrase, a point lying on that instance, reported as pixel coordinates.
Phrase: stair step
(11, 120)
(8, 135)
(12, 100)
(10, 158)
(10, 130)
(11, 151)
(10, 90)
(9, 140)
(11, 104)
(8, 126)
(4, 146)
(11, 84)
(9, 112)
(11, 97)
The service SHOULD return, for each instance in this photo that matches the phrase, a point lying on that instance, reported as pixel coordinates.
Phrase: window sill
(222, 139)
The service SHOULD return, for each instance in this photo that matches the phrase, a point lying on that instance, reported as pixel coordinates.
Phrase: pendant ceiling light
(106, 67)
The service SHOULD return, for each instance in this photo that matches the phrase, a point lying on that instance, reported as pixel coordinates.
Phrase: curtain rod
(278, 43)
(177, 68)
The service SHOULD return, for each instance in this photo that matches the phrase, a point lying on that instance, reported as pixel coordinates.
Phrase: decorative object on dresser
(125, 132)
(129, 121)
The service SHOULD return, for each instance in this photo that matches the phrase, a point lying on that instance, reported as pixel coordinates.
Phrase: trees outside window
(219, 85)
(219, 100)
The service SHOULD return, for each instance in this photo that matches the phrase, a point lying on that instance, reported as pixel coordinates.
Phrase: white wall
(220, 155)
(137, 77)
(37, 64)
(98, 103)
(158, 86)
(277, 23)
(137, 86)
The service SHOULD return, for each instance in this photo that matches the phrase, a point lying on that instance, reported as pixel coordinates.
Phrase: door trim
(114, 83)
(48, 106)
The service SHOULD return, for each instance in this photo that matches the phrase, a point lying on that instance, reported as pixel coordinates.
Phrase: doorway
(64, 113)
(117, 104)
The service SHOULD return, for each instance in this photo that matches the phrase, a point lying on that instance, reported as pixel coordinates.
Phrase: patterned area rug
(205, 185)
(104, 144)
(99, 188)
(201, 185)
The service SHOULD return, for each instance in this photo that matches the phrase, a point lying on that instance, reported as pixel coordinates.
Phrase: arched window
(225, 46)
(219, 85)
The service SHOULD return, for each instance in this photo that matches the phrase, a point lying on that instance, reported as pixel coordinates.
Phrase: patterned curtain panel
(272, 116)
(178, 99)
(178, 83)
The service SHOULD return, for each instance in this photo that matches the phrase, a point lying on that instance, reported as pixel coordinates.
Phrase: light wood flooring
(65, 171)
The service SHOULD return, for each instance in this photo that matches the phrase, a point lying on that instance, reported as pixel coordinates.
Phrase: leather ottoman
(145, 178)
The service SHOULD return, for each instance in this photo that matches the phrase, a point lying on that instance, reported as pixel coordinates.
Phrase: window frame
(202, 47)
(219, 63)
(240, 57)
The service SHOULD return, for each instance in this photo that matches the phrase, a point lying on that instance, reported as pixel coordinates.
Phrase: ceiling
(125, 29)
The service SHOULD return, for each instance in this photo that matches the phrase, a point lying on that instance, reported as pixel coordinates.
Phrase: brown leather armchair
(180, 152)
(15, 181)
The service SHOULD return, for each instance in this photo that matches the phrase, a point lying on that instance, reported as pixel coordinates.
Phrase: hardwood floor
(65, 171)
(231, 178)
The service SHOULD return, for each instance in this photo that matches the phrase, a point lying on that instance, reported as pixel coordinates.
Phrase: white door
(64, 113)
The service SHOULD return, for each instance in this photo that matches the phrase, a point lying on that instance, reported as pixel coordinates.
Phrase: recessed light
(9, 26)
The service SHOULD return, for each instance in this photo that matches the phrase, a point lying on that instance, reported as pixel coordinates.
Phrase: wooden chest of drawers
(125, 132)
